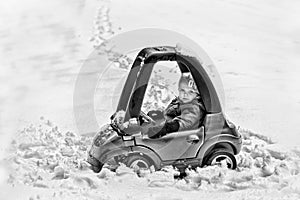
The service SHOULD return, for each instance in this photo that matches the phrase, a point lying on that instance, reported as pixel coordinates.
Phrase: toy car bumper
(92, 156)
(92, 160)
(239, 144)
(238, 141)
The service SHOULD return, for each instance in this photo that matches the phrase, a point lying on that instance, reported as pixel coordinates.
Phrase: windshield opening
(109, 88)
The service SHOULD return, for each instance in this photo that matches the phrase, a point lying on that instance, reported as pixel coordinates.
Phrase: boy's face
(186, 93)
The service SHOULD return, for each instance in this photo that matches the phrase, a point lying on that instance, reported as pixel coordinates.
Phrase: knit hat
(189, 81)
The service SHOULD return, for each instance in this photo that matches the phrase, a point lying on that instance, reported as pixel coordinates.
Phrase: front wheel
(219, 156)
(138, 162)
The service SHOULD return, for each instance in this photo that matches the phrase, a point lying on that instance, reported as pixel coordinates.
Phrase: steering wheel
(148, 118)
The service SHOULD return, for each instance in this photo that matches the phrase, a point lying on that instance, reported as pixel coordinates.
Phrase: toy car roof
(137, 80)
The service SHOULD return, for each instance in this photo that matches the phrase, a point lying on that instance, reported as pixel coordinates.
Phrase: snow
(50, 163)
(254, 45)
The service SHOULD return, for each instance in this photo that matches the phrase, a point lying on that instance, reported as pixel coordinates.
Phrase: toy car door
(177, 145)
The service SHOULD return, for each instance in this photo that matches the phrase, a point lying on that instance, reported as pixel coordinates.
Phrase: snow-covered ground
(46, 163)
(254, 44)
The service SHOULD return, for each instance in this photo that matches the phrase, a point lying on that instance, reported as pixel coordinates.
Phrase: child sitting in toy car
(184, 112)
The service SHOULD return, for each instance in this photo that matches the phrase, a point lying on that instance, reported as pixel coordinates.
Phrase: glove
(173, 109)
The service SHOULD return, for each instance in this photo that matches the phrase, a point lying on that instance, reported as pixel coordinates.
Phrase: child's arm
(190, 117)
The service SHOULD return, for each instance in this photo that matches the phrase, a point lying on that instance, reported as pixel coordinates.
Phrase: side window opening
(162, 86)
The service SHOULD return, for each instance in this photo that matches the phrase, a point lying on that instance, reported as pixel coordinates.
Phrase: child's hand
(173, 111)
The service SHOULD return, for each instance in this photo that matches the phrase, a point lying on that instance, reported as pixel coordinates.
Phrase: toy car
(216, 140)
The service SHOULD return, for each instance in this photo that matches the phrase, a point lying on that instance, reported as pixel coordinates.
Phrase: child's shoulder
(197, 102)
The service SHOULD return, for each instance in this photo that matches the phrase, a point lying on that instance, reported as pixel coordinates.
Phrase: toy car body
(215, 140)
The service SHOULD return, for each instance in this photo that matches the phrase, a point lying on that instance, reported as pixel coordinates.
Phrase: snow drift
(43, 157)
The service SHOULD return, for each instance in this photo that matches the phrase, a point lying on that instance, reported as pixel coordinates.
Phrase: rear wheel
(219, 156)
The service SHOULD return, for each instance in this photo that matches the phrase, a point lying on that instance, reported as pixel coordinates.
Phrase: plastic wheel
(111, 164)
(138, 162)
(216, 157)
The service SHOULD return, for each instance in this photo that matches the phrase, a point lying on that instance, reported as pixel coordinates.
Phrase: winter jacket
(180, 116)
(189, 115)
